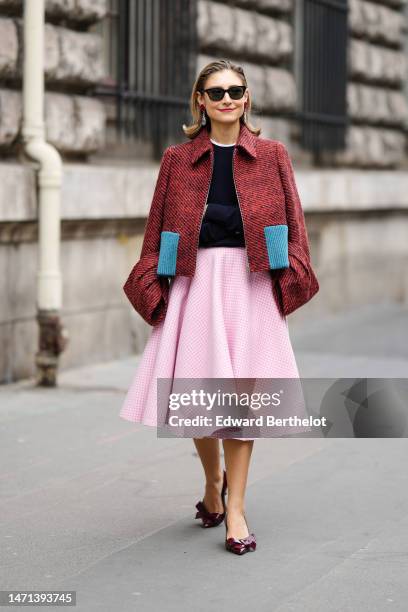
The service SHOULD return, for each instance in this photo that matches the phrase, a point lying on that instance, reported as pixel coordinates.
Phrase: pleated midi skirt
(223, 322)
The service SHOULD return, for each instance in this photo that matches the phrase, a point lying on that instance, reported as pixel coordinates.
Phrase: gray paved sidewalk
(95, 504)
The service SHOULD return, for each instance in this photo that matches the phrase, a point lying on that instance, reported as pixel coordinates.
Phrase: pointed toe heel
(239, 546)
(212, 519)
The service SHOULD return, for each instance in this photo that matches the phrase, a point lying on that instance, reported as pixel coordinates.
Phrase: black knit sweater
(222, 222)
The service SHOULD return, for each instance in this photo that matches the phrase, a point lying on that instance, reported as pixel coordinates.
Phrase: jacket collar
(202, 143)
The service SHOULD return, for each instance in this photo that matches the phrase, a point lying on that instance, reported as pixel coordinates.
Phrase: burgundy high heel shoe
(242, 545)
(212, 519)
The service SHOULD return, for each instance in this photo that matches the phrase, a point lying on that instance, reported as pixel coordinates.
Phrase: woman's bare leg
(237, 454)
(208, 450)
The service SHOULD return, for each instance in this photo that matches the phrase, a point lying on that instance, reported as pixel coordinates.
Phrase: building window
(322, 74)
(150, 57)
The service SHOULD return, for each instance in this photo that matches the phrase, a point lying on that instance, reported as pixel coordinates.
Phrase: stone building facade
(355, 200)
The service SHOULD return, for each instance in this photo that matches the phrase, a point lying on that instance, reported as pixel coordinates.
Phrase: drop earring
(245, 114)
(203, 119)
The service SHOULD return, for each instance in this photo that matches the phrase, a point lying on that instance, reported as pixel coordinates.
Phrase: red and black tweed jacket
(274, 225)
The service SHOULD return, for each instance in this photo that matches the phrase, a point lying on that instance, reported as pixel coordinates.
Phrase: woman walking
(227, 228)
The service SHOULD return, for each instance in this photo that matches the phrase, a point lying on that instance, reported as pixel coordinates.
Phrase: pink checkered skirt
(223, 322)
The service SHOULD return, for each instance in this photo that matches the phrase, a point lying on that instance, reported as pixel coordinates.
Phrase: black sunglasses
(216, 94)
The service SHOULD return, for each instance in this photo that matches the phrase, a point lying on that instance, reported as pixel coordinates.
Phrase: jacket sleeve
(151, 240)
(148, 292)
(297, 284)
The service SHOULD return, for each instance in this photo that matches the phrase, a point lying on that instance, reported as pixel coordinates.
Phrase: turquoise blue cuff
(168, 253)
(276, 237)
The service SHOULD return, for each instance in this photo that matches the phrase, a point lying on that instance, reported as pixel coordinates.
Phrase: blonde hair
(223, 64)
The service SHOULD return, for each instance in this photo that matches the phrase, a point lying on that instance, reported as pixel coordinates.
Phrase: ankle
(215, 481)
(235, 510)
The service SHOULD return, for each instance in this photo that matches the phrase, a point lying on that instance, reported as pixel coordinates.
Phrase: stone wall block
(51, 50)
(245, 33)
(371, 147)
(274, 38)
(245, 36)
(373, 102)
(74, 124)
(398, 106)
(81, 56)
(395, 66)
(75, 10)
(91, 9)
(280, 89)
(60, 121)
(80, 10)
(376, 105)
(375, 22)
(203, 20)
(370, 62)
(220, 25)
(90, 123)
(355, 18)
(69, 56)
(8, 47)
(256, 82)
(10, 116)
